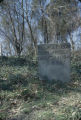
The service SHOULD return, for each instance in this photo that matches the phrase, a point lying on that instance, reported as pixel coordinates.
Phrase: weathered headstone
(54, 62)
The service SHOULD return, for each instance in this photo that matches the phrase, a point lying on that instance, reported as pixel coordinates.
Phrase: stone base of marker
(54, 62)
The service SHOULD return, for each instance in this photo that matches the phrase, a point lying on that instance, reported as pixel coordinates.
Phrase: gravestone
(54, 62)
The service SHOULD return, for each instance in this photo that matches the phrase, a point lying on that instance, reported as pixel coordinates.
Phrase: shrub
(17, 79)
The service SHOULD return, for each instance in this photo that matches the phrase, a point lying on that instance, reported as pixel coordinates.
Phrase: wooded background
(27, 23)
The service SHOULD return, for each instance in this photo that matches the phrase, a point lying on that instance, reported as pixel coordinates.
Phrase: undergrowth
(23, 95)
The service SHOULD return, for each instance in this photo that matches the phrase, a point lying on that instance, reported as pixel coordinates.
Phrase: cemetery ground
(24, 97)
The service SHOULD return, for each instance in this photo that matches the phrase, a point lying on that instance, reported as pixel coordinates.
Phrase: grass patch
(22, 93)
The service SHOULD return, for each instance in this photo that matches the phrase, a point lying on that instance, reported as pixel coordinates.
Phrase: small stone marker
(54, 62)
